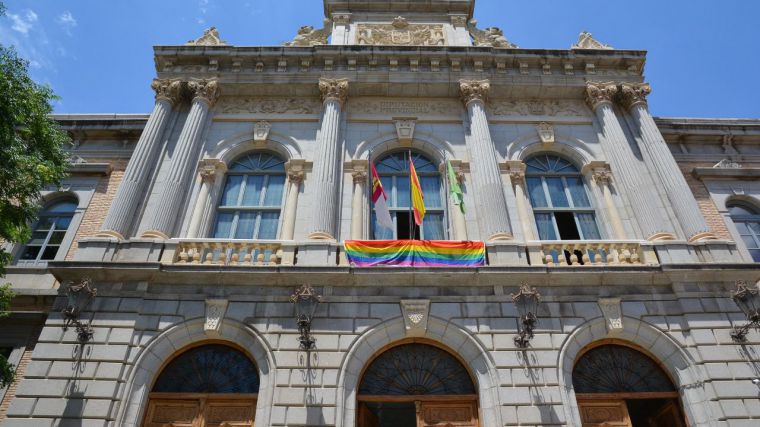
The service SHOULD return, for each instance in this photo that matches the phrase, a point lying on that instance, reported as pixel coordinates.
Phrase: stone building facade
(197, 222)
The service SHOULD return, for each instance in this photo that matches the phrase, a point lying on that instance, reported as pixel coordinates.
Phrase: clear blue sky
(703, 61)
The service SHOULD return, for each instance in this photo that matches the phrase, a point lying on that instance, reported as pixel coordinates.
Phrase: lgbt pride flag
(415, 253)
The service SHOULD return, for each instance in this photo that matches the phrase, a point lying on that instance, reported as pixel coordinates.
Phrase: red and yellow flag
(418, 199)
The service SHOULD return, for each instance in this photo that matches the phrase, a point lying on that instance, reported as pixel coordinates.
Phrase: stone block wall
(706, 205)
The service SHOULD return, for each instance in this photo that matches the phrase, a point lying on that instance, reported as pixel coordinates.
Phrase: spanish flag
(418, 202)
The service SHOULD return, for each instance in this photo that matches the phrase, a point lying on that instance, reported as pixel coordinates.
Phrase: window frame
(753, 218)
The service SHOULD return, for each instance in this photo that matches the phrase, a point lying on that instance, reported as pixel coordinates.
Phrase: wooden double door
(630, 413)
(199, 410)
(418, 413)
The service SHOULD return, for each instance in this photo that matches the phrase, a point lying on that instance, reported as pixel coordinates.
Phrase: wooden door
(604, 413)
(447, 414)
(173, 413)
(200, 412)
(668, 416)
(366, 417)
(228, 413)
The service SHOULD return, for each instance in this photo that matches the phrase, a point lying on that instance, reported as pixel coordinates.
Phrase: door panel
(448, 414)
(604, 413)
(173, 413)
(229, 413)
(668, 416)
(206, 412)
(366, 417)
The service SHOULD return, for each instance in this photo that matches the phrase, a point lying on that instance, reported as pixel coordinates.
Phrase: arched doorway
(210, 385)
(416, 384)
(617, 385)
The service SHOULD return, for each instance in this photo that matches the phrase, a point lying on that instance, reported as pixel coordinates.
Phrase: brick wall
(706, 205)
(26, 358)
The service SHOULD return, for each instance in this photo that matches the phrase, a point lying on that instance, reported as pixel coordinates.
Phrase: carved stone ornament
(602, 176)
(415, 312)
(167, 89)
(253, 105)
(405, 130)
(587, 41)
(210, 37)
(490, 37)
(295, 170)
(612, 314)
(308, 36)
(727, 164)
(545, 133)
(209, 168)
(261, 132)
(634, 94)
(335, 89)
(360, 176)
(215, 310)
(563, 107)
(458, 20)
(381, 106)
(207, 90)
(401, 33)
(599, 93)
(474, 90)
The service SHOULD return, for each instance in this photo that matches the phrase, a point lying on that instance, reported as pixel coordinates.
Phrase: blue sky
(97, 55)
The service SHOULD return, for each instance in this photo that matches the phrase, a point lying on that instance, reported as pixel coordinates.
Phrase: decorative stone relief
(612, 313)
(634, 93)
(728, 147)
(545, 133)
(336, 89)
(207, 90)
(458, 20)
(261, 132)
(169, 89)
(215, 310)
(474, 90)
(727, 164)
(415, 312)
(210, 37)
(490, 37)
(597, 93)
(539, 108)
(587, 41)
(405, 130)
(399, 107)
(240, 105)
(401, 33)
(308, 36)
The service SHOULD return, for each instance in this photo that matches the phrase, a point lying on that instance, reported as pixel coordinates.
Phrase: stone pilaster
(295, 170)
(457, 216)
(631, 171)
(143, 161)
(209, 170)
(162, 218)
(517, 176)
(657, 154)
(359, 199)
(492, 205)
(334, 94)
(602, 176)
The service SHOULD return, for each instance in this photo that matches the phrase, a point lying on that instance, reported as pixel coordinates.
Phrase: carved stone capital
(167, 89)
(295, 170)
(207, 90)
(516, 170)
(334, 89)
(634, 94)
(209, 168)
(296, 177)
(360, 176)
(474, 90)
(599, 171)
(600, 93)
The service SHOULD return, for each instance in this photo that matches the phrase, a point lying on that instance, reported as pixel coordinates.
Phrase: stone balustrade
(589, 253)
(245, 253)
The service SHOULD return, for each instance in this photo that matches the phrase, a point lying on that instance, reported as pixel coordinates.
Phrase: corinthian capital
(336, 89)
(207, 90)
(635, 93)
(474, 90)
(167, 89)
(599, 93)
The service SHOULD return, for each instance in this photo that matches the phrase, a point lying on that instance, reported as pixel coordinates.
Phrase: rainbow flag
(415, 253)
(418, 202)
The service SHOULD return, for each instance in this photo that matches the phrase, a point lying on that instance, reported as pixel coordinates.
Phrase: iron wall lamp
(748, 300)
(306, 300)
(79, 296)
(526, 301)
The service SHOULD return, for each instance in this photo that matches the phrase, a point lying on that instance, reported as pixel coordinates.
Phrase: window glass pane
(231, 190)
(588, 226)
(578, 192)
(402, 192)
(245, 226)
(30, 252)
(557, 192)
(62, 223)
(754, 227)
(223, 225)
(273, 196)
(381, 233)
(749, 242)
(431, 188)
(432, 227)
(49, 252)
(57, 237)
(62, 207)
(252, 196)
(44, 223)
(268, 226)
(755, 255)
(536, 191)
(38, 238)
(545, 226)
(742, 228)
(740, 210)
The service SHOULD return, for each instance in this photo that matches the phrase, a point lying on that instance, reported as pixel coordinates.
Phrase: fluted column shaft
(132, 187)
(602, 179)
(325, 176)
(629, 170)
(162, 218)
(295, 177)
(210, 171)
(659, 156)
(357, 204)
(517, 176)
(492, 205)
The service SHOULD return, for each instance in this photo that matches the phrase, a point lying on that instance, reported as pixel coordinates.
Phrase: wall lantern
(79, 296)
(306, 300)
(526, 301)
(748, 300)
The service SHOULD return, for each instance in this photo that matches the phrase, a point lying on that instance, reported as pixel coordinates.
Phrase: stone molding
(613, 314)
(204, 89)
(598, 93)
(167, 89)
(215, 310)
(334, 89)
(632, 94)
(474, 90)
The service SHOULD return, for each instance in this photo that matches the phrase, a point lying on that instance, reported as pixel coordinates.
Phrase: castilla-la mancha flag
(380, 200)
(418, 199)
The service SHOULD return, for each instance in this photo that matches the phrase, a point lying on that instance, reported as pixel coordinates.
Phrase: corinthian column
(295, 178)
(630, 171)
(162, 218)
(492, 205)
(325, 176)
(209, 170)
(142, 162)
(517, 176)
(657, 154)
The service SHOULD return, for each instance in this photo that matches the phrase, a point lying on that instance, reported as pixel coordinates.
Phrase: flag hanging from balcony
(457, 196)
(418, 202)
(380, 201)
(415, 253)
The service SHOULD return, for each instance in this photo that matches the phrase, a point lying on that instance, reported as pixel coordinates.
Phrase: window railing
(229, 252)
(593, 253)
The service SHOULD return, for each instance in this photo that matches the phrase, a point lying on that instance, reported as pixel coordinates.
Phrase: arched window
(394, 174)
(252, 198)
(48, 232)
(561, 205)
(746, 218)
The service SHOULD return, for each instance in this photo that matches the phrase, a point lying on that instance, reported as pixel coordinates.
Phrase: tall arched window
(252, 198)
(561, 205)
(49, 231)
(746, 218)
(394, 174)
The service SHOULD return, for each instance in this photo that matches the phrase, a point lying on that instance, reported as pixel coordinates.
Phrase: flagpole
(411, 213)
(371, 232)
(448, 192)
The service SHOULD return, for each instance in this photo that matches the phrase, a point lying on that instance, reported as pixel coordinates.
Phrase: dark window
(48, 232)
(618, 369)
(747, 221)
